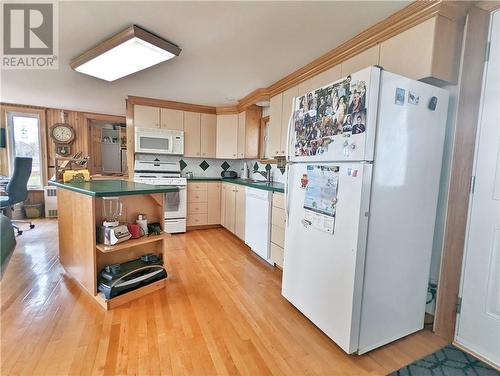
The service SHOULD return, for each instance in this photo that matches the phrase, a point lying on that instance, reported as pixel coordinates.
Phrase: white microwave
(159, 141)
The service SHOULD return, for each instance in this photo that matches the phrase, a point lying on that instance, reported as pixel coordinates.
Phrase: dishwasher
(258, 222)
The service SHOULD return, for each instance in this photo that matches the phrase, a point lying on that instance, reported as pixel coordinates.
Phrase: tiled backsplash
(213, 167)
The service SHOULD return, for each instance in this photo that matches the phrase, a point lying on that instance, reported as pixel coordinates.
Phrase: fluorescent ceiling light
(130, 51)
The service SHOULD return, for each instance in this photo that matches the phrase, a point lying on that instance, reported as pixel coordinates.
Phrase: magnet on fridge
(413, 98)
(399, 98)
(433, 103)
(351, 172)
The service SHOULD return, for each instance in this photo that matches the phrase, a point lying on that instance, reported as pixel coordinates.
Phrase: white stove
(166, 173)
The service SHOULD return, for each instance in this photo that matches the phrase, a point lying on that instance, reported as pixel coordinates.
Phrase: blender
(111, 231)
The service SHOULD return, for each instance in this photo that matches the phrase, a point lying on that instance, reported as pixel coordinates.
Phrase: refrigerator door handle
(287, 172)
(287, 147)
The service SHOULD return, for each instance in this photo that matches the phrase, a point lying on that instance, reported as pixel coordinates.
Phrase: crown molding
(488, 5)
(171, 104)
(255, 96)
(229, 110)
(411, 15)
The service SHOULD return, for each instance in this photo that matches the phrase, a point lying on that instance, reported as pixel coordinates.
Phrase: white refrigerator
(363, 169)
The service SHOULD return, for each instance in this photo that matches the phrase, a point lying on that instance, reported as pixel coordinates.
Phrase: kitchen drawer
(278, 216)
(197, 208)
(198, 186)
(196, 219)
(277, 254)
(278, 235)
(197, 196)
(279, 200)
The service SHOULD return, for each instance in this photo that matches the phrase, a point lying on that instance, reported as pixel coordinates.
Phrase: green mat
(449, 361)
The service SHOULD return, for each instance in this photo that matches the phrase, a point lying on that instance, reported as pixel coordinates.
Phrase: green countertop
(202, 178)
(110, 188)
(273, 187)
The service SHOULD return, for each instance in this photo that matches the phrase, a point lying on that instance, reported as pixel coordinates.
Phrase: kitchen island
(79, 216)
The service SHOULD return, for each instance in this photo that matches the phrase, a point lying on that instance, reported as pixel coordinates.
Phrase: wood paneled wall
(77, 121)
(50, 116)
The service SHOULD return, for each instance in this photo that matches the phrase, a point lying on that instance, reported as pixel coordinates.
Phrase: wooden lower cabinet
(213, 204)
(232, 206)
(203, 203)
(278, 229)
(240, 212)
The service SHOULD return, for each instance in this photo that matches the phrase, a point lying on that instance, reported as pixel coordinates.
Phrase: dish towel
(172, 200)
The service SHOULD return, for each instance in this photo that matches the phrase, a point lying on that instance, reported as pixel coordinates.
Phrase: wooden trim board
(131, 99)
(461, 172)
(129, 296)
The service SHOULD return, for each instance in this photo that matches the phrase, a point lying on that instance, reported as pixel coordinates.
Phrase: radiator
(50, 196)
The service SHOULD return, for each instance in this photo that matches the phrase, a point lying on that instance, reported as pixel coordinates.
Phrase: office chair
(17, 188)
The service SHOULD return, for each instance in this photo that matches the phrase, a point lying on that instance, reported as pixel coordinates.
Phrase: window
(24, 141)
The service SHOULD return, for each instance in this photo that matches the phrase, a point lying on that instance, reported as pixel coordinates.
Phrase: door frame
(466, 249)
(88, 118)
(470, 85)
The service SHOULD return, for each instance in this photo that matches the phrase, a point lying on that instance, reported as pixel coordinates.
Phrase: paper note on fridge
(321, 196)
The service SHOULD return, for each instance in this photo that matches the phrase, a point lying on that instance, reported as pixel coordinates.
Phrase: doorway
(478, 320)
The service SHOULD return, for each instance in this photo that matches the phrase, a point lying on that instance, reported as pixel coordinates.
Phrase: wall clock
(63, 135)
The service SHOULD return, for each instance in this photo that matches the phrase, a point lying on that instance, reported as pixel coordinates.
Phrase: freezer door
(336, 122)
(323, 272)
(404, 194)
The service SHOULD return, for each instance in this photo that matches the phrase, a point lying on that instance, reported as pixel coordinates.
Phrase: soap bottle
(244, 175)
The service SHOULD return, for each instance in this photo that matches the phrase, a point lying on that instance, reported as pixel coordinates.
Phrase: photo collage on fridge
(337, 109)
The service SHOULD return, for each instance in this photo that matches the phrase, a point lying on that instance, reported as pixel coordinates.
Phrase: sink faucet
(266, 174)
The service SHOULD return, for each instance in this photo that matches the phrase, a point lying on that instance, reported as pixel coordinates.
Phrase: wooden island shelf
(131, 243)
(80, 214)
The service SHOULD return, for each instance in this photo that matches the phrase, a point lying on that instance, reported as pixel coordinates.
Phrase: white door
(322, 271)
(479, 321)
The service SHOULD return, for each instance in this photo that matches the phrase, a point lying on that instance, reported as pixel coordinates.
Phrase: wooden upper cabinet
(427, 51)
(172, 119)
(146, 116)
(360, 61)
(274, 135)
(321, 79)
(227, 136)
(252, 132)
(241, 134)
(287, 111)
(192, 134)
(208, 133)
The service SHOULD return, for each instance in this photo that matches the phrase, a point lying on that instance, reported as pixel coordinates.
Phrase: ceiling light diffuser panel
(127, 52)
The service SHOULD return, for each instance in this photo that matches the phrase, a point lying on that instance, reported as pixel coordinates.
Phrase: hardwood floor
(221, 313)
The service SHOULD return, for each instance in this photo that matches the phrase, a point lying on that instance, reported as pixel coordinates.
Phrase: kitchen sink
(256, 181)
